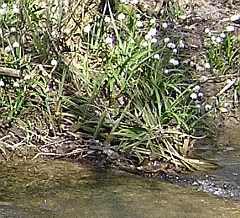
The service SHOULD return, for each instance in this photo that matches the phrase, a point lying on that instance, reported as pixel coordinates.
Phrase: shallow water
(225, 181)
(68, 189)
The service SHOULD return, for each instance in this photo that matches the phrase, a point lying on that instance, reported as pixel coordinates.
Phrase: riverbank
(74, 99)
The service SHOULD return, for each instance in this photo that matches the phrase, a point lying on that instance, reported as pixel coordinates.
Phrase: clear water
(68, 189)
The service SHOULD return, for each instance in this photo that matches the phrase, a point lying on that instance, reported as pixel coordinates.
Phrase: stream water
(68, 189)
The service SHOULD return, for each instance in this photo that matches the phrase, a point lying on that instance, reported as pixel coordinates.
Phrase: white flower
(16, 45)
(8, 49)
(121, 16)
(192, 63)
(174, 62)
(156, 56)
(200, 94)
(166, 71)
(47, 89)
(175, 51)
(213, 38)
(152, 21)
(199, 68)
(107, 19)
(145, 44)
(194, 96)
(235, 17)
(147, 37)
(152, 32)
(164, 25)
(196, 88)
(223, 35)
(54, 62)
(2, 11)
(27, 77)
(207, 65)
(154, 40)
(198, 106)
(208, 107)
(135, 2)
(230, 28)
(207, 30)
(218, 39)
(181, 44)
(16, 85)
(145, 6)
(132, 41)
(203, 78)
(138, 16)
(2, 83)
(139, 24)
(123, 1)
(171, 45)
(166, 40)
(13, 29)
(16, 9)
(87, 28)
(109, 41)
(4, 5)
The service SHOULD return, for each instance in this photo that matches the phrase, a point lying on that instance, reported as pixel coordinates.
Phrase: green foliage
(225, 55)
(25, 41)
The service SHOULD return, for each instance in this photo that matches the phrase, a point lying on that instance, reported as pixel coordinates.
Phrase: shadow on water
(103, 189)
(69, 189)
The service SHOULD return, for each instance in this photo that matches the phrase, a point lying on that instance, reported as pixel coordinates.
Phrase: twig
(77, 151)
(226, 87)
(4, 137)
(46, 154)
(53, 143)
(10, 72)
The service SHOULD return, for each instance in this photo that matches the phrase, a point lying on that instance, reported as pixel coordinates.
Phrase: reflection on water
(67, 189)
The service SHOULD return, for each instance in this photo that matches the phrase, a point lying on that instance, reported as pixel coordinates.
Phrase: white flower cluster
(205, 66)
(15, 84)
(3, 10)
(174, 48)
(14, 45)
(197, 96)
(218, 38)
(174, 61)
(133, 2)
(150, 36)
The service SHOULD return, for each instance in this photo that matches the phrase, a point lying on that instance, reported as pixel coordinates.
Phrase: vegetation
(119, 78)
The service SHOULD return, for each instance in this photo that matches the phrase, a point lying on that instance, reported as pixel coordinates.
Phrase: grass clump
(224, 50)
(145, 105)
